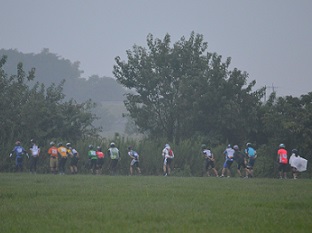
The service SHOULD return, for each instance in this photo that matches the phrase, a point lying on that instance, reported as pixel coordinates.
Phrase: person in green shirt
(93, 160)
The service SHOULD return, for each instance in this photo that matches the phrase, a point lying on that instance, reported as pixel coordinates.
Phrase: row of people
(245, 160)
(59, 155)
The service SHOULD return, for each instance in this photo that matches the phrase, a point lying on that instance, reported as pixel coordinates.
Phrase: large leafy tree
(182, 90)
(39, 112)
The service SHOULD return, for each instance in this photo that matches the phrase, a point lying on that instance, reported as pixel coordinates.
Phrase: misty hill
(51, 68)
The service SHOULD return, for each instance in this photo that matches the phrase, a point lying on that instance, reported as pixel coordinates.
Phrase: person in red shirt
(282, 158)
(100, 160)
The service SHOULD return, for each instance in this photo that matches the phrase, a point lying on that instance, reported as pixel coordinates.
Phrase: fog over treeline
(52, 68)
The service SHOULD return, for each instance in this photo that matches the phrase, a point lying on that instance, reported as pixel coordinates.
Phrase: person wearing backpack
(168, 156)
(251, 154)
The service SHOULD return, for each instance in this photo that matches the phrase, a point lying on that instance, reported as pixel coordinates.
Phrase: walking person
(93, 160)
(229, 158)
(240, 159)
(114, 155)
(34, 156)
(294, 155)
(282, 158)
(53, 152)
(209, 160)
(19, 153)
(168, 155)
(251, 154)
(74, 158)
(134, 160)
(62, 151)
(100, 161)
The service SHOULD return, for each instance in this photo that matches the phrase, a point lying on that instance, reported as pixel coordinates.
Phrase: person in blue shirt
(229, 158)
(134, 160)
(251, 156)
(19, 153)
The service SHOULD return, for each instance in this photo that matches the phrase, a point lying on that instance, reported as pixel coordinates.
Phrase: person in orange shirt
(53, 158)
(100, 160)
(282, 158)
(62, 151)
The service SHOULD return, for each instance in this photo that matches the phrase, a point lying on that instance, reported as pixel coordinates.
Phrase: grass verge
(86, 203)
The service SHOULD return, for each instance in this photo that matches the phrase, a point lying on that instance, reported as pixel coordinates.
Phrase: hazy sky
(270, 39)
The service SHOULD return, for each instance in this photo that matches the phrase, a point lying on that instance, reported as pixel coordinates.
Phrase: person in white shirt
(168, 156)
(34, 156)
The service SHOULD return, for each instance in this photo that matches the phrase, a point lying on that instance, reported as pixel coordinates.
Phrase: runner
(134, 160)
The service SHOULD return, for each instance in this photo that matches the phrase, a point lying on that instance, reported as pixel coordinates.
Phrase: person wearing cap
(209, 160)
(282, 159)
(168, 155)
(34, 156)
(229, 158)
(294, 155)
(53, 158)
(240, 159)
(100, 161)
(74, 157)
(62, 151)
(134, 160)
(114, 155)
(251, 155)
(93, 160)
(19, 152)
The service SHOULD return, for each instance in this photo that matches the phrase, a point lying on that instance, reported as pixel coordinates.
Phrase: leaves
(182, 90)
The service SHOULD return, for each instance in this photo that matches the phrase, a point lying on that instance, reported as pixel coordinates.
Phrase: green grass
(86, 203)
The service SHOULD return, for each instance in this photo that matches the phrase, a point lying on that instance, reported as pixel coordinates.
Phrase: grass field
(86, 203)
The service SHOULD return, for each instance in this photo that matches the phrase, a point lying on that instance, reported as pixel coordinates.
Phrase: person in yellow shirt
(62, 151)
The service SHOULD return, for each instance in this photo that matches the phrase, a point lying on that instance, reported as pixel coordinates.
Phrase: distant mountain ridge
(51, 68)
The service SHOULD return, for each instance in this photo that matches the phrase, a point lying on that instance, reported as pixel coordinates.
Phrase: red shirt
(282, 154)
(100, 154)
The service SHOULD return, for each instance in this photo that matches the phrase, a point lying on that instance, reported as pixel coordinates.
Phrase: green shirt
(92, 154)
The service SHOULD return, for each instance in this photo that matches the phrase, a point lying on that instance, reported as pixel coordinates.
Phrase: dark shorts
(169, 161)
(241, 163)
(114, 163)
(209, 163)
(74, 161)
(282, 167)
(100, 162)
(93, 163)
(251, 163)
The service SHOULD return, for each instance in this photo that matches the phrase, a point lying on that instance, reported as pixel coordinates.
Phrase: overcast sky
(269, 39)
